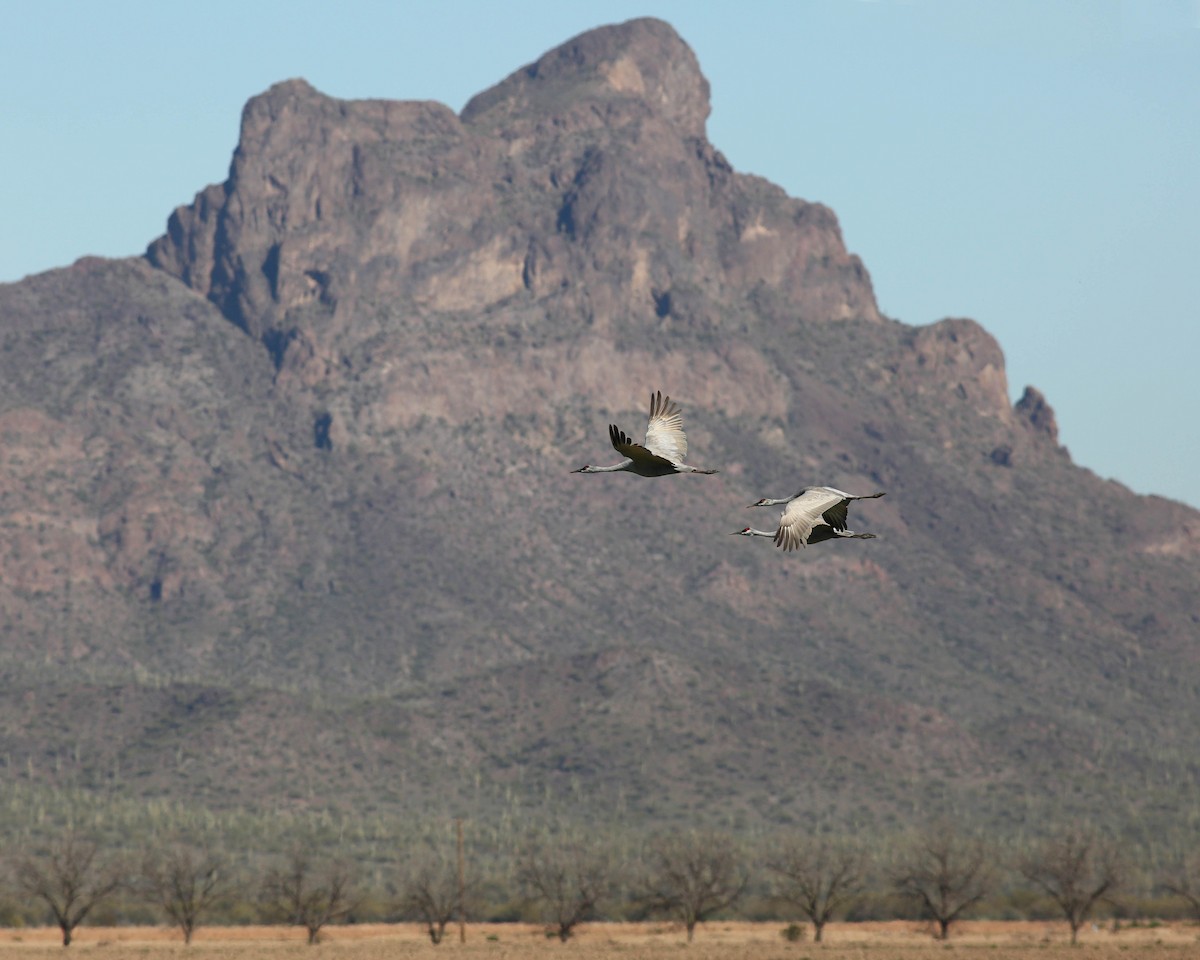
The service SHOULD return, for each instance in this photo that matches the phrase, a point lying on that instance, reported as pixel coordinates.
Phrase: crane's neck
(623, 465)
(751, 532)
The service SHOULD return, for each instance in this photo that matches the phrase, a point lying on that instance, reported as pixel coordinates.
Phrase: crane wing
(664, 433)
(828, 503)
(835, 516)
(822, 532)
(805, 512)
(634, 451)
(793, 530)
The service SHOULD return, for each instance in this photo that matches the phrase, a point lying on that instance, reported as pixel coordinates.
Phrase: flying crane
(663, 452)
(813, 515)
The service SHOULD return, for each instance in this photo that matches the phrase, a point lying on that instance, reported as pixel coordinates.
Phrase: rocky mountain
(288, 516)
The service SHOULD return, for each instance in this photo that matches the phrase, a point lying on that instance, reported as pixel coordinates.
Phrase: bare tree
(431, 893)
(309, 897)
(569, 880)
(186, 883)
(71, 879)
(1076, 870)
(945, 874)
(1184, 882)
(818, 877)
(693, 876)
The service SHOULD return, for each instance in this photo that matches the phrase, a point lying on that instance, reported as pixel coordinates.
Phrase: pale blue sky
(1032, 164)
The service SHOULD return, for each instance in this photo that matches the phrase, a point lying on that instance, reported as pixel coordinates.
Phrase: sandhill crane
(805, 511)
(820, 533)
(664, 450)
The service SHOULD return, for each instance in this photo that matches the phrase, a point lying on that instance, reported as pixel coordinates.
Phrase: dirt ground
(897, 940)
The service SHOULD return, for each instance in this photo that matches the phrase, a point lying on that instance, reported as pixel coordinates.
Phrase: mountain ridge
(316, 443)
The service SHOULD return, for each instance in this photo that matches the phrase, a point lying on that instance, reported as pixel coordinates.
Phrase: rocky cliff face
(572, 205)
(319, 438)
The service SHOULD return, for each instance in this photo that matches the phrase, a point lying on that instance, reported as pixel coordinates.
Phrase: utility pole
(462, 884)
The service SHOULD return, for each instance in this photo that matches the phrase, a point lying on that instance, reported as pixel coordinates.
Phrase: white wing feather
(664, 433)
(803, 513)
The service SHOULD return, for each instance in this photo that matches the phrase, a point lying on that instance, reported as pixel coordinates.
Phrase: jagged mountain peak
(641, 63)
(566, 227)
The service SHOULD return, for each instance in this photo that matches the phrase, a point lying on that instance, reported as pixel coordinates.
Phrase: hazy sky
(1032, 165)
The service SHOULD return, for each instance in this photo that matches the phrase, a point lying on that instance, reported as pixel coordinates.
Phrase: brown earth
(1004, 940)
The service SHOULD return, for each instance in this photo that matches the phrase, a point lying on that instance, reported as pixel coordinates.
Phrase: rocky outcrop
(961, 359)
(1037, 414)
(608, 77)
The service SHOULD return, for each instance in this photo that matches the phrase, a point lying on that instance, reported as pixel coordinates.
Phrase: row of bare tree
(943, 873)
(75, 877)
(689, 876)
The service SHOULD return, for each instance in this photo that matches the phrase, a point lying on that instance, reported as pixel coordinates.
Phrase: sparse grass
(1001, 940)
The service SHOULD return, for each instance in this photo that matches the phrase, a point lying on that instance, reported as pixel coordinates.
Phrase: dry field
(986, 940)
